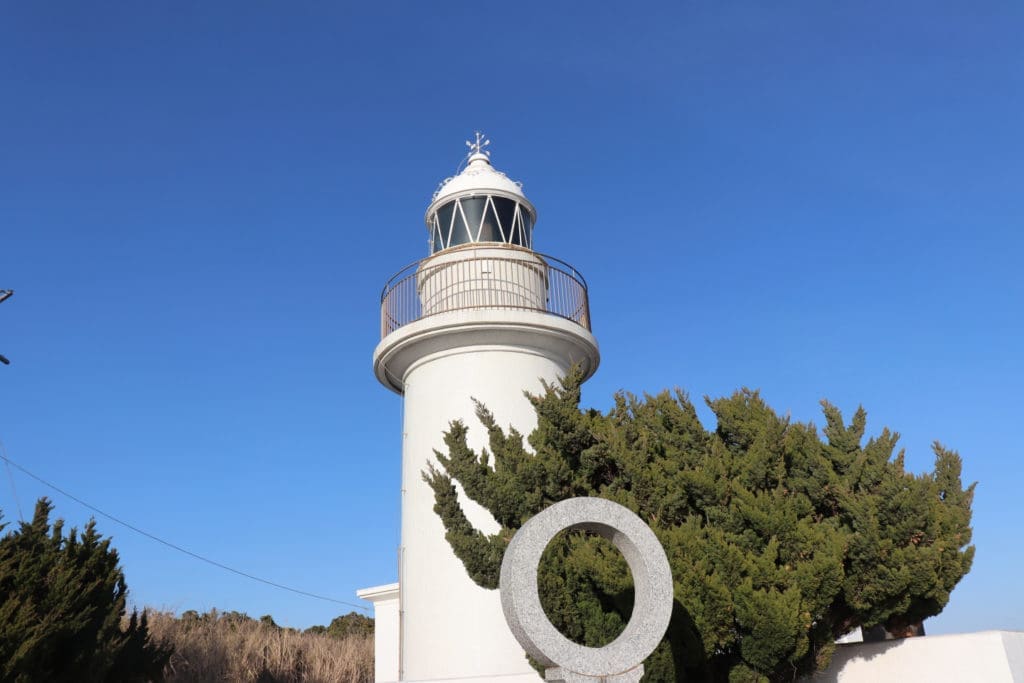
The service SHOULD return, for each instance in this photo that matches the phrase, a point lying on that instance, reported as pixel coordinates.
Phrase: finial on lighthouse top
(476, 148)
(479, 204)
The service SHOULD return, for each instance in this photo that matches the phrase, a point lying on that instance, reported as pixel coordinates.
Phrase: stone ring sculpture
(622, 659)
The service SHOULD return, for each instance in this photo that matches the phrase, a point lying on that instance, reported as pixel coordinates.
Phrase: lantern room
(480, 205)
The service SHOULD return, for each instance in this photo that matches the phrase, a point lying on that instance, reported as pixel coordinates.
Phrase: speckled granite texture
(622, 659)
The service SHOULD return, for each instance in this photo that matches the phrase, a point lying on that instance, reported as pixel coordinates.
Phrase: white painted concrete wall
(452, 628)
(983, 657)
(385, 630)
(491, 278)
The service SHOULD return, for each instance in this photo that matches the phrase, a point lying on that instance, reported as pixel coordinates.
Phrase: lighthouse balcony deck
(482, 278)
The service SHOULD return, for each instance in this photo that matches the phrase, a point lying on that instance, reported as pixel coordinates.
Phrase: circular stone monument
(622, 659)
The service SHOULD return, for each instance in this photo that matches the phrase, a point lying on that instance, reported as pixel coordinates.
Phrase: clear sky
(200, 203)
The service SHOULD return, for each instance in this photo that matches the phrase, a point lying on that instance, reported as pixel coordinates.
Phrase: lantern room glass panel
(473, 210)
(444, 221)
(506, 210)
(489, 230)
(484, 219)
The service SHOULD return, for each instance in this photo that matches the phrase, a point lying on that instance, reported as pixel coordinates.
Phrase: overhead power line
(174, 546)
(10, 477)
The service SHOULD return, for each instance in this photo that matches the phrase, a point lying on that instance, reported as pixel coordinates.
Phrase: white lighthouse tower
(483, 317)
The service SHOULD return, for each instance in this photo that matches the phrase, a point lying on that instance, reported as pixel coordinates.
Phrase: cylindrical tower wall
(452, 628)
(482, 277)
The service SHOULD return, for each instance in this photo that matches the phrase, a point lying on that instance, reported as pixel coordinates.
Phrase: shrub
(62, 601)
(780, 541)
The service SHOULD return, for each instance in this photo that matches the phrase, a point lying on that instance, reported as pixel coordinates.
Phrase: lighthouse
(483, 317)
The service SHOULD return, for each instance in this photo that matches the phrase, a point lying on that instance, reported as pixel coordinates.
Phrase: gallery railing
(484, 278)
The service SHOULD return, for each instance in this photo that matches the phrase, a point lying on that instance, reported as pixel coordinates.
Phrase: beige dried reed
(224, 649)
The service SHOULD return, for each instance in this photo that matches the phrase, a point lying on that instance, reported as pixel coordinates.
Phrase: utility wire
(10, 477)
(177, 547)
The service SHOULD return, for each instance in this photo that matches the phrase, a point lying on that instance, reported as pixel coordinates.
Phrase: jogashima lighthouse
(483, 317)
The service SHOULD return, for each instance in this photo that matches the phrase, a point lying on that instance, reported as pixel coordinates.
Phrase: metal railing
(484, 278)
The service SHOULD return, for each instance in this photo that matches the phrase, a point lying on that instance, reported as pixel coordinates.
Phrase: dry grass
(220, 648)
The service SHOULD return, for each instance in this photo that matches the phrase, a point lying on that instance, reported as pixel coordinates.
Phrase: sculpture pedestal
(559, 675)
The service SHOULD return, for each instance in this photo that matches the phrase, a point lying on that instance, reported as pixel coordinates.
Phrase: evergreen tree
(780, 541)
(62, 601)
(351, 624)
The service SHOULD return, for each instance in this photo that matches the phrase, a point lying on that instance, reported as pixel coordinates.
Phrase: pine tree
(62, 601)
(780, 541)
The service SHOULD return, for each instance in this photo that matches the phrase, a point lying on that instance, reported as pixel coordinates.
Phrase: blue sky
(200, 202)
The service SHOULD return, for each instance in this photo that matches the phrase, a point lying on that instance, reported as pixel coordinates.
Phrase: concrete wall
(385, 630)
(983, 657)
(452, 628)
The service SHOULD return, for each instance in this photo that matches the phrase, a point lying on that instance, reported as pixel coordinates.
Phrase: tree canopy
(781, 539)
(348, 625)
(62, 603)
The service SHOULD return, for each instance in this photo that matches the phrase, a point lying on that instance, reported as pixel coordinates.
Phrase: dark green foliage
(779, 541)
(62, 601)
(351, 624)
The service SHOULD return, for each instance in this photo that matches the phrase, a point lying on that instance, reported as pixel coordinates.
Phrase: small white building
(483, 317)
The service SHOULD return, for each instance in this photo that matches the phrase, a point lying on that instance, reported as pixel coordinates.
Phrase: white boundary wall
(983, 657)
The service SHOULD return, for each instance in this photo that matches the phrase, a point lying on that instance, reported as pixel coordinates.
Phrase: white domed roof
(478, 177)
